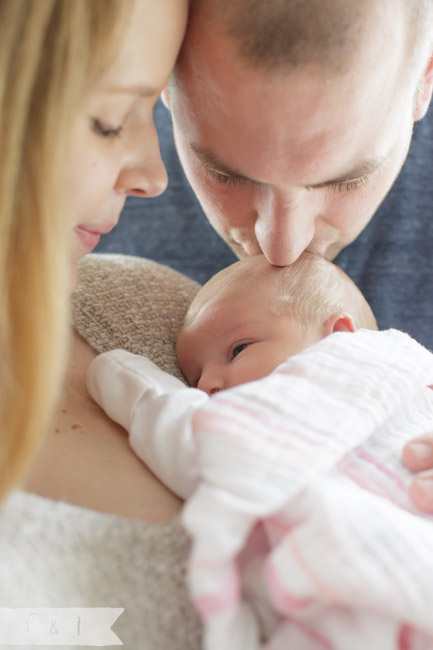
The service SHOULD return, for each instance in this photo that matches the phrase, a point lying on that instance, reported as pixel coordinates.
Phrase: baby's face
(235, 338)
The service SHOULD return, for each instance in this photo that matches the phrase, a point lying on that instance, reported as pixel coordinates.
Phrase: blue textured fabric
(391, 261)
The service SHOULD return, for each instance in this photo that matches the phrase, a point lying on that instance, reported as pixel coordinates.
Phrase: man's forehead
(304, 121)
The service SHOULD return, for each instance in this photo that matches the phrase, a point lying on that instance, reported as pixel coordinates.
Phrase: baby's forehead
(224, 301)
(210, 303)
(249, 275)
(225, 289)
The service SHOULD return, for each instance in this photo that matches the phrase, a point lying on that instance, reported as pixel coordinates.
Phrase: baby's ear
(339, 322)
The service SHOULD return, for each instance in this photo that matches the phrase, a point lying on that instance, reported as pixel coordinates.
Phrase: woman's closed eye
(238, 349)
(104, 130)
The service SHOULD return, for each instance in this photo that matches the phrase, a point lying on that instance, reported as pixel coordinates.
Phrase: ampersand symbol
(53, 628)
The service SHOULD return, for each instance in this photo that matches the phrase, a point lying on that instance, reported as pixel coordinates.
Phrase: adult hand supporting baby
(418, 456)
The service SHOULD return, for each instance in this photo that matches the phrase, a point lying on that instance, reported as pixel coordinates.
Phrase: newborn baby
(247, 320)
(252, 316)
(303, 532)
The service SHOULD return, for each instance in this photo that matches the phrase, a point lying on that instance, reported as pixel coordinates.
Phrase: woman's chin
(73, 278)
(76, 256)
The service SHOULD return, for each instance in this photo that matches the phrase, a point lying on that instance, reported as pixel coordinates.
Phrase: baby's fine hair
(310, 290)
(313, 288)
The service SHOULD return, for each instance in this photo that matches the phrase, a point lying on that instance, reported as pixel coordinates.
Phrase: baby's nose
(210, 382)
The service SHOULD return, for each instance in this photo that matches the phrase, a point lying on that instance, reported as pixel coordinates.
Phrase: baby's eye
(238, 349)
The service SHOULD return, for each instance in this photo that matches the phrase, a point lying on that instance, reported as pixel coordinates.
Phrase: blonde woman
(56, 133)
(78, 82)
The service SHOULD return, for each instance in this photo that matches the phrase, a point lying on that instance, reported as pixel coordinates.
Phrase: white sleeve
(155, 408)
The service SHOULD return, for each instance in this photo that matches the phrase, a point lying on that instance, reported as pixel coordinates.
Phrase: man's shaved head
(277, 33)
(292, 118)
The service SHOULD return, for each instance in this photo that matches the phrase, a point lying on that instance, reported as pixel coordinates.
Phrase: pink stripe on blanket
(396, 479)
(279, 640)
(313, 634)
(395, 489)
(209, 604)
(404, 642)
(282, 598)
(413, 639)
(286, 600)
(230, 423)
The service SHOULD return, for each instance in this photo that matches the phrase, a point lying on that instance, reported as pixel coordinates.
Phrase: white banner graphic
(59, 626)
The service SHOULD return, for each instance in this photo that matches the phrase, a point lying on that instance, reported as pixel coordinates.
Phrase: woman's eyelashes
(104, 130)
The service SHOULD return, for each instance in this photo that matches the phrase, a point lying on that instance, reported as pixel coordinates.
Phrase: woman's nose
(143, 172)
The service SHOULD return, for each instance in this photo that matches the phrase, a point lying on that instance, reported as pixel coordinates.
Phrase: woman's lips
(90, 236)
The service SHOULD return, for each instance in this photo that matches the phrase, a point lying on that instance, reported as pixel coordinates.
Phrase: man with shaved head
(291, 126)
(292, 120)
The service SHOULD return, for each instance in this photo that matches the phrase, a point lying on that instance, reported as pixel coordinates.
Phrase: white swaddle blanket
(303, 533)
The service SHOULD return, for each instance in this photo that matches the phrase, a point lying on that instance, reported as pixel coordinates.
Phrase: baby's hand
(118, 380)
(155, 408)
(418, 456)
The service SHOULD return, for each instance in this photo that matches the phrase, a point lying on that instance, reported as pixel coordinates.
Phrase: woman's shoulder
(131, 303)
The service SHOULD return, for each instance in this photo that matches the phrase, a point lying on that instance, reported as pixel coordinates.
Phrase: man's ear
(338, 322)
(165, 97)
(424, 92)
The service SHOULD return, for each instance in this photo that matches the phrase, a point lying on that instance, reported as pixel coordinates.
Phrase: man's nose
(285, 225)
(211, 381)
(143, 172)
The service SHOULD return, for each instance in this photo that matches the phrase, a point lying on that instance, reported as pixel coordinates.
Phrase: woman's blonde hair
(51, 52)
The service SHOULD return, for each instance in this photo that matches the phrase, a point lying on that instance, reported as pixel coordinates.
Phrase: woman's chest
(86, 459)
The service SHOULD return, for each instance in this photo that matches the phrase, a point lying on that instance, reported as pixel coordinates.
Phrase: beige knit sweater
(53, 554)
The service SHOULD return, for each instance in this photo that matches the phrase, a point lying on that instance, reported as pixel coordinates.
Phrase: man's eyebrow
(210, 160)
(365, 168)
(132, 89)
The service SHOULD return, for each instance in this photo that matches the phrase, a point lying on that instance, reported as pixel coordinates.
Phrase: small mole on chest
(75, 427)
